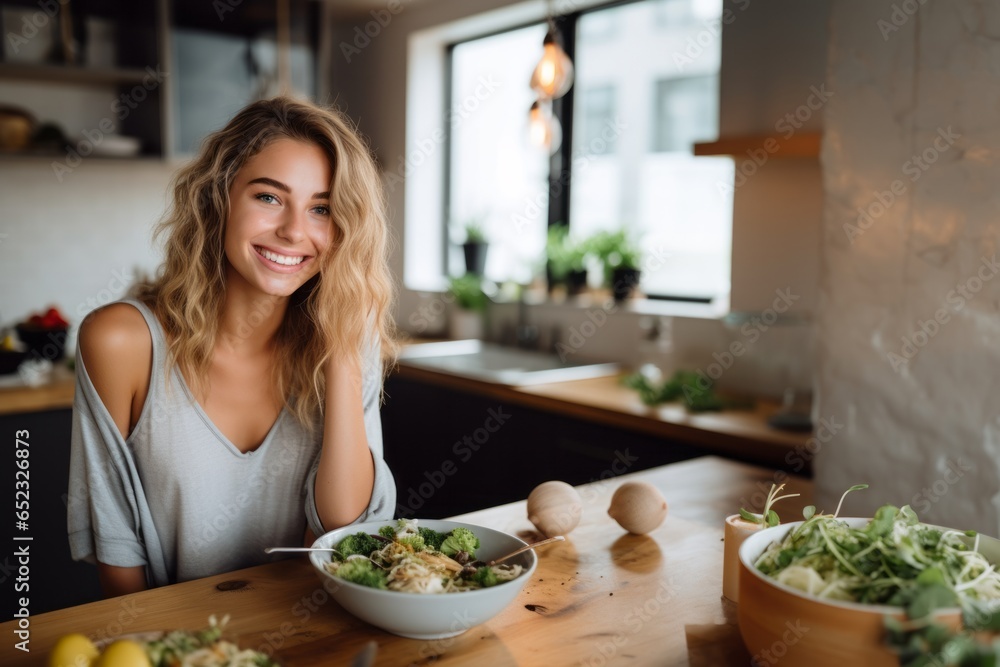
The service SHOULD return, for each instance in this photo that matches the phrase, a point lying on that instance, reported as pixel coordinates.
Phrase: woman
(235, 398)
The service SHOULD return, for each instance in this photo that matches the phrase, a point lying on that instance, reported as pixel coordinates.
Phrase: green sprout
(768, 518)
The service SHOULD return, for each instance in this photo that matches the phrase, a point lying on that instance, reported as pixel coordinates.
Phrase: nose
(292, 227)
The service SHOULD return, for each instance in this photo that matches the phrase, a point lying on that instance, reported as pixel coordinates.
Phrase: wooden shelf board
(71, 74)
(11, 156)
(803, 144)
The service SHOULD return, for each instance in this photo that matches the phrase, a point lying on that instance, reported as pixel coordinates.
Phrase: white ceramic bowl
(116, 145)
(426, 616)
(779, 621)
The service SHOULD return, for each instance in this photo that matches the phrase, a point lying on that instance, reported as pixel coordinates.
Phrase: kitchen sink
(501, 365)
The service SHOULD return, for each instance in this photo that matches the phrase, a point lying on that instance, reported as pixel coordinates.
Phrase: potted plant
(566, 260)
(620, 257)
(469, 303)
(475, 248)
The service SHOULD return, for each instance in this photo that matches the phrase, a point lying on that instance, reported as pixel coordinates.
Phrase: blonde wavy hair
(340, 311)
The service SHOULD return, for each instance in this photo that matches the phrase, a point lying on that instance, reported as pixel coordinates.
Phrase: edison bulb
(553, 76)
(544, 129)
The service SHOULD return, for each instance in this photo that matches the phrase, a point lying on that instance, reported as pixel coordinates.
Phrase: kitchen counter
(605, 401)
(603, 597)
(600, 400)
(54, 395)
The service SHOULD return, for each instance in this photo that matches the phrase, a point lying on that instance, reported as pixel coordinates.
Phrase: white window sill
(717, 310)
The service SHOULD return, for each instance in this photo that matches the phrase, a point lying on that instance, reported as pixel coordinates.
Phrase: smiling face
(279, 222)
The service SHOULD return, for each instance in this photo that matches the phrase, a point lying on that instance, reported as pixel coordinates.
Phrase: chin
(301, 291)
(281, 290)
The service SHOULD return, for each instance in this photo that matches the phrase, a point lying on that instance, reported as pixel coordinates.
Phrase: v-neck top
(178, 497)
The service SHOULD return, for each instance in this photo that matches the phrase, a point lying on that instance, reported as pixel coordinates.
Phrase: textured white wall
(909, 324)
(773, 61)
(71, 243)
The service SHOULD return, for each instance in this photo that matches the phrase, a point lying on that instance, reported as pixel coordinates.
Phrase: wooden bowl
(16, 128)
(43, 342)
(10, 360)
(781, 623)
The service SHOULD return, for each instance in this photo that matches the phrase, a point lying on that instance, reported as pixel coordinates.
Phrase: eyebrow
(284, 188)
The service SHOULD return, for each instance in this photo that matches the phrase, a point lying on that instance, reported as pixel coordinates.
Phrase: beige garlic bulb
(554, 508)
(638, 507)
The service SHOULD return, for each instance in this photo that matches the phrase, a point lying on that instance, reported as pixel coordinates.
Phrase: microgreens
(768, 517)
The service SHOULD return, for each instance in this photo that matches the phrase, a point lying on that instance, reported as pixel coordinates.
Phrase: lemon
(123, 653)
(73, 650)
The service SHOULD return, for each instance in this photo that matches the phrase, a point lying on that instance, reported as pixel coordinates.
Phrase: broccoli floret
(416, 542)
(358, 543)
(406, 526)
(362, 572)
(485, 577)
(432, 538)
(387, 531)
(460, 539)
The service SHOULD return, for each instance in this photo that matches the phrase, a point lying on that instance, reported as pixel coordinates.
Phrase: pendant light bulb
(553, 76)
(544, 129)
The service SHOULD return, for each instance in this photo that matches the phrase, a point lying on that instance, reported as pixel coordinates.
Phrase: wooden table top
(602, 597)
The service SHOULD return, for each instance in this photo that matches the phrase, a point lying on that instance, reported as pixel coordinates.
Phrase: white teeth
(280, 259)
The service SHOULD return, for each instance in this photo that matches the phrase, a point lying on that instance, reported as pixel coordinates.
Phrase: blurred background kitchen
(795, 201)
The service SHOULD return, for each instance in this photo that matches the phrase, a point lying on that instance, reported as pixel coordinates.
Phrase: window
(687, 110)
(497, 179)
(633, 114)
(597, 112)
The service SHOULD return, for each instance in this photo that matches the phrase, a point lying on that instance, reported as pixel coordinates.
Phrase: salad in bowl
(425, 579)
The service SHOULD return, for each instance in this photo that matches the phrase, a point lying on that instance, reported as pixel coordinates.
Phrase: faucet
(527, 334)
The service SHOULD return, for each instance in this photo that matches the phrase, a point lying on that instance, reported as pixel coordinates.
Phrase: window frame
(560, 179)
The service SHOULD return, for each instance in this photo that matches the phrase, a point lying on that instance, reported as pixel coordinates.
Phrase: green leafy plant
(920, 642)
(474, 232)
(564, 254)
(467, 291)
(616, 250)
(693, 389)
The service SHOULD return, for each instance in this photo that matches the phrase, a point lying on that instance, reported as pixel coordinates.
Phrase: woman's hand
(346, 472)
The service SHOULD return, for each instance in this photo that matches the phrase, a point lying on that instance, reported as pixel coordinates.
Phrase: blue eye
(322, 210)
(267, 198)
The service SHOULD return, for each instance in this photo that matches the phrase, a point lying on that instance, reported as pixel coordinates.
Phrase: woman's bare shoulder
(117, 351)
(119, 330)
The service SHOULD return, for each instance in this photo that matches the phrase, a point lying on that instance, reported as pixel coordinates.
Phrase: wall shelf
(162, 47)
(71, 74)
(802, 144)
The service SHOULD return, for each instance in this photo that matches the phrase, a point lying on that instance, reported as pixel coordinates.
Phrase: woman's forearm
(346, 472)
(117, 581)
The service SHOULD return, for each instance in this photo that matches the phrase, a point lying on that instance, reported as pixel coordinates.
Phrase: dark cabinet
(453, 452)
(52, 578)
